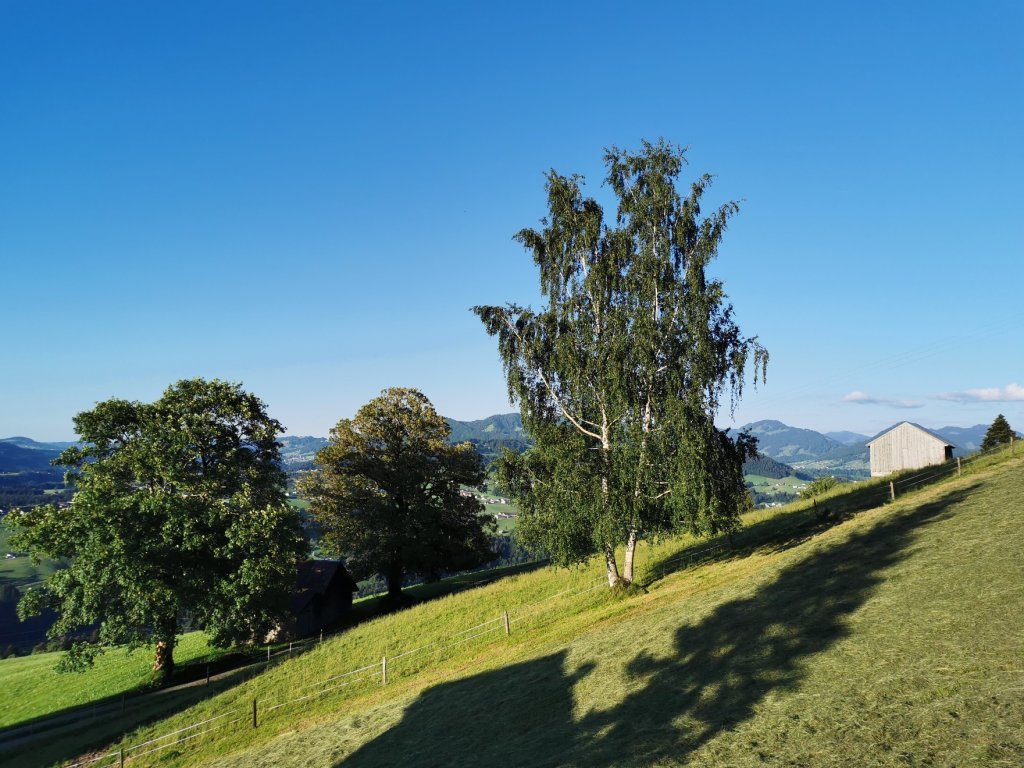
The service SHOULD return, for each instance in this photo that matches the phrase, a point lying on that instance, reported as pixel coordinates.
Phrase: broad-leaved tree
(387, 492)
(179, 519)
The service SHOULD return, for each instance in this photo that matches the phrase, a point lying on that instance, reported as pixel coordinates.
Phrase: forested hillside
(766, 466)
(15, 458)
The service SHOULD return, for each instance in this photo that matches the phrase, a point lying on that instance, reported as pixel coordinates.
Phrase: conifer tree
(998, 434)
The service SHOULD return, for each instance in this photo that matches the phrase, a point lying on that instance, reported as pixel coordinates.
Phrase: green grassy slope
(32, 687)
(893, 638)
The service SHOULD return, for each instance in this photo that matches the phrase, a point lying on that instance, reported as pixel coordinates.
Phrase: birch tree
(620, 376)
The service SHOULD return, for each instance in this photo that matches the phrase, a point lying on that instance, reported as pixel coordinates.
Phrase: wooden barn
(322, 596)
(907, 446)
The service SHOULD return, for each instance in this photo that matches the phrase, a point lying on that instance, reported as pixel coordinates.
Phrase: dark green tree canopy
(387, 494)
(180, 514)
(999, 433)
(620, 375)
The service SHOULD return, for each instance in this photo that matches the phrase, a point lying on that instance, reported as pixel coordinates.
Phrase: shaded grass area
(598, 648)
(35, 690)
(52, 711)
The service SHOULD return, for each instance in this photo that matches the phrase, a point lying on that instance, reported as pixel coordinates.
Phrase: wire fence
(259, 710)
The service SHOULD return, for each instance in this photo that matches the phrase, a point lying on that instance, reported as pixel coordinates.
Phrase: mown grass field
(890, 638)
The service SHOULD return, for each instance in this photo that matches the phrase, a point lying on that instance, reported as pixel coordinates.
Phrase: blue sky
(308, 197)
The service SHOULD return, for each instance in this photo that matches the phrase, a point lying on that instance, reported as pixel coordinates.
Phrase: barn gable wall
(905, 446)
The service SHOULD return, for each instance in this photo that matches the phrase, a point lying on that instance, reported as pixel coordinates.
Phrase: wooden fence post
(254, 713)
(321, 635)
(289, 649)
(268, 654)
(508, 627)
(892, 491)
(120, 754)
(384, 670)
(958, 470)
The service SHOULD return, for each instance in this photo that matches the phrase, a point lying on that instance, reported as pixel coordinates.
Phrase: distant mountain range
(22, 454)
(490, 436)
(846, 438)
(844, 454)
(806, 451)
(966, 439)
(506, 426)
(34, 445)
(297, 452)
(792, 444)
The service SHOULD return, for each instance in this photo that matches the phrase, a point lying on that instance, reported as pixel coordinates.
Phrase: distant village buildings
(907, 446)
(484, 499)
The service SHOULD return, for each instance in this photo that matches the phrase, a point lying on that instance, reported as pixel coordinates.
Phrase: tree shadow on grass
(523, 709)
(721, 668)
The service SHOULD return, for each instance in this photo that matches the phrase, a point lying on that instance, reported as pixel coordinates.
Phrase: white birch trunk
(627, 563)
(611, 566)
(609, 549)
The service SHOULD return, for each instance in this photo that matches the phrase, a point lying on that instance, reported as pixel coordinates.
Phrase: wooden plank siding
(907, 446)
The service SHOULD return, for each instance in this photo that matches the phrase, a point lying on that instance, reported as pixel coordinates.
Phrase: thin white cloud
(857, 397)
(1010, 393)
(862, 398)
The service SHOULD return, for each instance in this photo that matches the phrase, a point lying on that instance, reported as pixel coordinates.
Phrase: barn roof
(928, 432)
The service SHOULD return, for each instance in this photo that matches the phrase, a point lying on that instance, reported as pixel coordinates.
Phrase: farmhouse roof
(928, 432)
